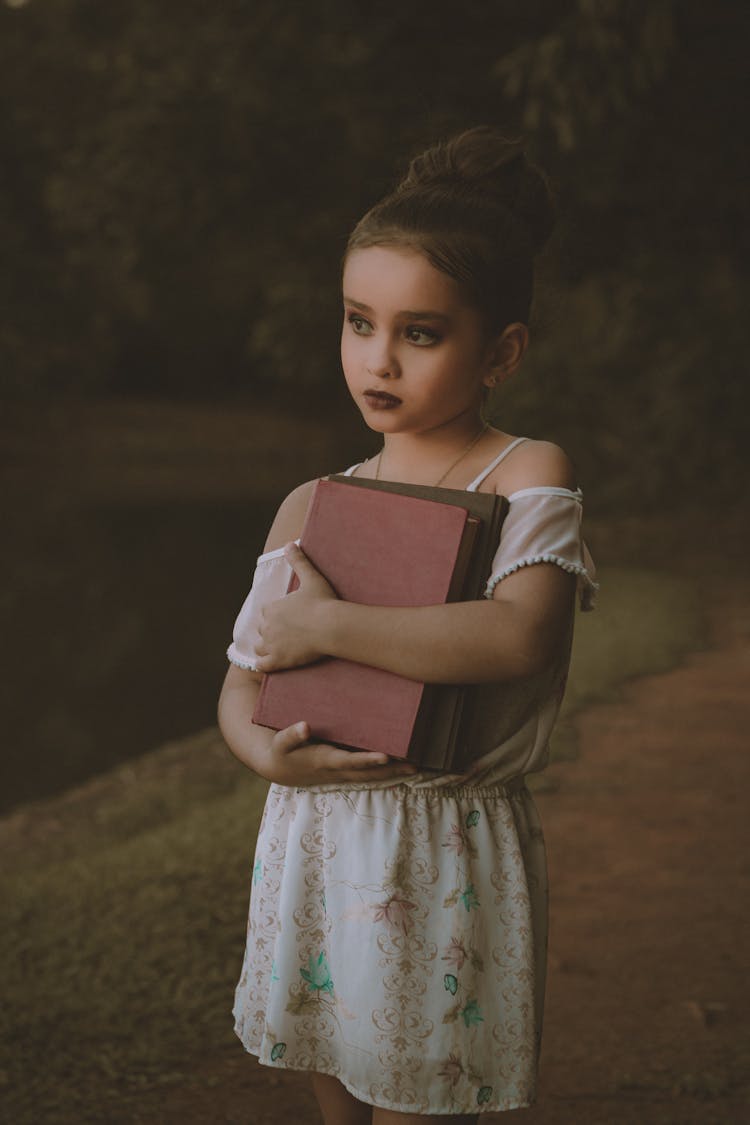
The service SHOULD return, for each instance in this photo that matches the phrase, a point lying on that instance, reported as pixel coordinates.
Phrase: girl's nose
(382, 366)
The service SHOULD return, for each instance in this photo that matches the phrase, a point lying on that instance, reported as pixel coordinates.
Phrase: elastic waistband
(429, 792)
(506, 789)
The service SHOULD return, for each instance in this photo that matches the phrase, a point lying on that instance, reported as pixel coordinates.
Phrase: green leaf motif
(471, 1014)
(257, 871)
(451, 983)
(469, 898)
(483, 1095)
(473, 818)
(317, 974)
(278, 1051)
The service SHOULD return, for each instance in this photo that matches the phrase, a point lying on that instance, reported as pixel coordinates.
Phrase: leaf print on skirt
(455, 954)
(469, 898)
(395, 912)
(317, 974)
(452, 1069)
(471, 1014)
(456, 839)
(451, 983)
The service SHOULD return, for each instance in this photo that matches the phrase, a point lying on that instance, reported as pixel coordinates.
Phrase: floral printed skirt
(397, 940)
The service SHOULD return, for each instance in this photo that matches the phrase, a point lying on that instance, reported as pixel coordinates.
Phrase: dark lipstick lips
(382, 396)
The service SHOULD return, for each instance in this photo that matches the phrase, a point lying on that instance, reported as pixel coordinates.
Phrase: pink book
(375, 548)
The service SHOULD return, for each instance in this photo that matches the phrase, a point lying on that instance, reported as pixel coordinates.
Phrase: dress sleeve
(543, 525)
(270, 582)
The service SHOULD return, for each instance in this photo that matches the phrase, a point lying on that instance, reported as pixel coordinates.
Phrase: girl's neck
(423, 458)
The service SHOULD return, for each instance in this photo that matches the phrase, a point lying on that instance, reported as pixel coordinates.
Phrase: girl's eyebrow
(411, 314)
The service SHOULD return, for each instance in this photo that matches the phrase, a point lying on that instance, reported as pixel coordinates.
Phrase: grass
(125, 900)
(122, 943)
(644, 621)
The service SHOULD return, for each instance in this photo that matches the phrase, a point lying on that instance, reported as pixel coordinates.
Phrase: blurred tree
(590, 67)
(636, 105)
(178, 184)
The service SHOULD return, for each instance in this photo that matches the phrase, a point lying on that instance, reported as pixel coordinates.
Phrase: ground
(647, 835)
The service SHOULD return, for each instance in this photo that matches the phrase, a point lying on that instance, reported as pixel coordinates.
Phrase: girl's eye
(422, 337)
(361, 326)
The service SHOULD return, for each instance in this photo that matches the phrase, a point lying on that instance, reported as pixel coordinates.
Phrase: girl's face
(414, 354)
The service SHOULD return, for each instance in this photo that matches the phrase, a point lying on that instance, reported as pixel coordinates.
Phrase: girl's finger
(359, 760)
(291, 738)
(307, 572)
(383, 762)
(299, 561)
(332, 758)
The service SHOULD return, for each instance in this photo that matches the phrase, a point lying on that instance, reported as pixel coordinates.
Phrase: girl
(398, 920)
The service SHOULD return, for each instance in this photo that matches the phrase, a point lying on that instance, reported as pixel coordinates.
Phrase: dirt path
(647, 835)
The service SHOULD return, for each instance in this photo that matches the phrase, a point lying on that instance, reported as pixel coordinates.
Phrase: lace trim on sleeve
(247, 665)
(277, 554)
(547, 490)
(587, 587)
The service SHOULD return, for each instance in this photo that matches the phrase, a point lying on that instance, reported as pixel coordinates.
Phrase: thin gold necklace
(452, 466)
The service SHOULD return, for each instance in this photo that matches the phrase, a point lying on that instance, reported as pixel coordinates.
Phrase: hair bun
(482, 164)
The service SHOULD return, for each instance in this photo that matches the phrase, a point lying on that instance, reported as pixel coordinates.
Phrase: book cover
(487, 507)
(449, 708)
(375, 547)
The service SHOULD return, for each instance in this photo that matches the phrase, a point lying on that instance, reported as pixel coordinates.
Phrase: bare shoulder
(535, 464)
(287, 524)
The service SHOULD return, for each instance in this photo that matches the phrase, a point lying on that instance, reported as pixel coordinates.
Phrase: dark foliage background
(179, 179)
(177, 182)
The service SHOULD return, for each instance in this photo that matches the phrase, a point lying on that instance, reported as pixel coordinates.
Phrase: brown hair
(479, 210)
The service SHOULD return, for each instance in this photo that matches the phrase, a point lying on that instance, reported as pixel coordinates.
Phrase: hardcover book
(451, 704)
(379, 543)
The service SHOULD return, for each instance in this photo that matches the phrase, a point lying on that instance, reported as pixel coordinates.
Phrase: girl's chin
(380, 425)
(382, 421)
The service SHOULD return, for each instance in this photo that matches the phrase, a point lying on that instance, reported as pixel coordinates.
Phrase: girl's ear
(505, 354)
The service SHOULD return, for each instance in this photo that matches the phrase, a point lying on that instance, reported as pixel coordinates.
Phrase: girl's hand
(287, 627)
(292, 760)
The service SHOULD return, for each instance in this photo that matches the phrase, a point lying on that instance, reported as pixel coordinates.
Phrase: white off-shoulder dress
(397, 932)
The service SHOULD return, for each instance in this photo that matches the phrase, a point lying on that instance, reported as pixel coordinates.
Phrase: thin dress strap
(477, 480)
(493, 465)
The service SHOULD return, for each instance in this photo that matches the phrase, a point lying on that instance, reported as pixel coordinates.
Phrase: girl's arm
(514, 635)
(286, 756)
